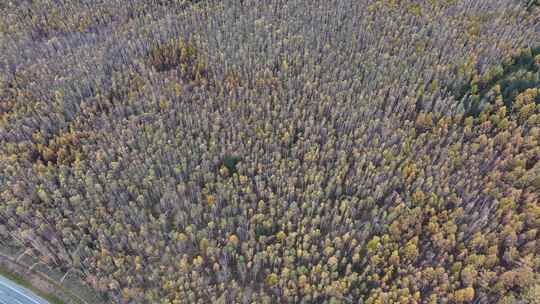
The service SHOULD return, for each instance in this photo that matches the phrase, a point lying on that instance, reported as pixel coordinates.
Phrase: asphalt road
(11, 293)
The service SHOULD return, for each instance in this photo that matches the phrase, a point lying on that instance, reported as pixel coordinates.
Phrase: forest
(275, 151)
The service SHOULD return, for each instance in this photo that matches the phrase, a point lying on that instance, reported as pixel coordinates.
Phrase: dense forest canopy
(302, 151)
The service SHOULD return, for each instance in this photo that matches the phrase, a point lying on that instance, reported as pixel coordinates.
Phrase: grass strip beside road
(20, 280)
(20, 274)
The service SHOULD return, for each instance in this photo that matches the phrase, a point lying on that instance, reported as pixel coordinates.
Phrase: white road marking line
(16, 290)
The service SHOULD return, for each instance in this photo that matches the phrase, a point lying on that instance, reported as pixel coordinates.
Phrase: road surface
(11, 293)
